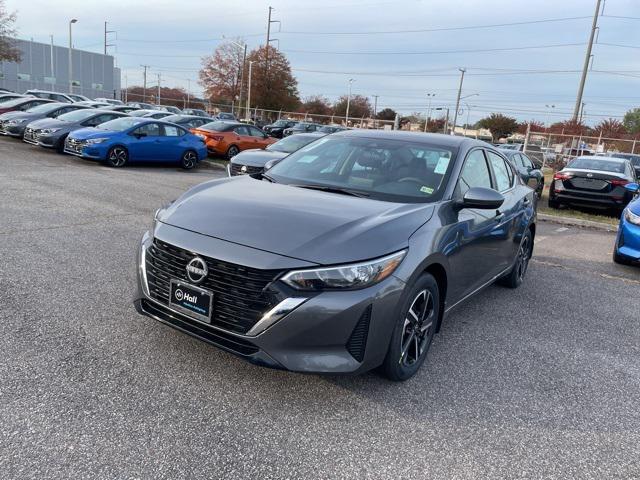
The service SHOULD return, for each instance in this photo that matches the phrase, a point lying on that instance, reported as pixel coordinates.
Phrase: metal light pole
(348, 102)
(71, 22)
(243, 47)
(375, 111)
(548, 114)
(52, 69)
(426, 121)
(249, 92)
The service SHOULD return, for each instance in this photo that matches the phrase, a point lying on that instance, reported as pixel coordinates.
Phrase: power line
(438, 52)
(440, 29)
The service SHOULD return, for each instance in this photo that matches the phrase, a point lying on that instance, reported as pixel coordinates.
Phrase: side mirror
(271, 163)
(480, 197)
(633, 187)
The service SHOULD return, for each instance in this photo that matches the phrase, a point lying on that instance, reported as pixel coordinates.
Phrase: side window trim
(486, 161)
(507, 165)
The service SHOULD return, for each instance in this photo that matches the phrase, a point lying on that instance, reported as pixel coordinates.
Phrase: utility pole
(188, 92)
(126, 88)
(144, 82)
(249, 92)
(455, 115)
(581, 112)
(587, 58)
(158, 100)
(106, 32)
(52, 70)
(375, 111)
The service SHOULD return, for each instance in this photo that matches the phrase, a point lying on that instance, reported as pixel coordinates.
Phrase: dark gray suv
(343, 257)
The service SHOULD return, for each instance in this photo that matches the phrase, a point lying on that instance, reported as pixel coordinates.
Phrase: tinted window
(600, 164)
(254, 132)
(150, 129)
(526, 161)
(517, 159)
(502, 172)
(381, 169)
(172, 131)
(291, 144)
(241, 130)
(42, 108)
(475, 173)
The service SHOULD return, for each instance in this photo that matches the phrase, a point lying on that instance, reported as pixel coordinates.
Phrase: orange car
(230, 138)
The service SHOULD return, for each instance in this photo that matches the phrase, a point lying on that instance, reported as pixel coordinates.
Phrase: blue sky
(333, 37)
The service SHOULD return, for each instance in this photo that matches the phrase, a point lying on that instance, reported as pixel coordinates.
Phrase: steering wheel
(411, 179)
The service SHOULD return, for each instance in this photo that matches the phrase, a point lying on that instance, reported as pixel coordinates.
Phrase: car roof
(602, 157)
(417, 137)
(308, 135)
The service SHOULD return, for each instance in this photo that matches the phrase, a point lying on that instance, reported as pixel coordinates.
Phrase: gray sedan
(345, 256)
(14, 123)
(52, 132)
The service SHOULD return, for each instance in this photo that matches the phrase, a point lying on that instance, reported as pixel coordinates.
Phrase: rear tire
(117, 157)
(232, 152)
(516, 275)
(414, 330)
(189, 160)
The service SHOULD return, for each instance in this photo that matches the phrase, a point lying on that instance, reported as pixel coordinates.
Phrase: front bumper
(13, 130)
(628, 240)
(315, 337)
(91, 152)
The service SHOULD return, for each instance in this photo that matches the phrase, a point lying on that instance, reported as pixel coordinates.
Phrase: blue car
(135, 139)
(627, 248)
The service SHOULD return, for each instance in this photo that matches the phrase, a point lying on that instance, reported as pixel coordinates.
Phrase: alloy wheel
(523, 258)
(233, 151)
(118, 157)
(418, 328)
(189, 160)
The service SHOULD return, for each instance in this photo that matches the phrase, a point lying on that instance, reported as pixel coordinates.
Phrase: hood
(91, 132)
(256, 157)
(11, 115)
(48, 123)
(319, 227)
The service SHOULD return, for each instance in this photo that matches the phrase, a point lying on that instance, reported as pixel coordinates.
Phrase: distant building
(47, 68)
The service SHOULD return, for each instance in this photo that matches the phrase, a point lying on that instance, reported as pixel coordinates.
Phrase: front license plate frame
(181, 298)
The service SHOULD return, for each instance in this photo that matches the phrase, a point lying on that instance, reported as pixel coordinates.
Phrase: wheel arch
(438, 271)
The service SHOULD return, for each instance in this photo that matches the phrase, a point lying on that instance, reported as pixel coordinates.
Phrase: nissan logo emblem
(197, 270)
(589, 175)
(244, 169)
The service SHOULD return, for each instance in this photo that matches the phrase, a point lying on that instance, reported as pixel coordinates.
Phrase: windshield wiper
(327, 188)
(267, 177)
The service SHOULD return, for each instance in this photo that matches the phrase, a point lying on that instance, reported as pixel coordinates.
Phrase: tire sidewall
(182, 160)
(230, 149)
(392, 368)
(109, 155)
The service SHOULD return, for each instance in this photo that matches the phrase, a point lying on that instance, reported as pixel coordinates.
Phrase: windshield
(17, 101)
(281, 123)
(120, 124)
(635, 159)
(8, 98)
(597, 164)
(391, 170)
(291, 144)
(328, 129)
(216, 126)
(43, 108)
(77, 115)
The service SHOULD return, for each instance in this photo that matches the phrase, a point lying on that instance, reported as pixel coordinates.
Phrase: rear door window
(475, 173)
(502, 172)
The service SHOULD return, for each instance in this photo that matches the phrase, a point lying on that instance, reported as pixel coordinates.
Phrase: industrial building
(46, 67)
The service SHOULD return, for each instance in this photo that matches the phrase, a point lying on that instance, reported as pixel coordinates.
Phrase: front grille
(357, 342)
(240, 293)
(237, 169)
(74, 145)
(221, 339)
(31, 135)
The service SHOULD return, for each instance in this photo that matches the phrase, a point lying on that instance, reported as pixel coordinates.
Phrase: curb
(213, 165)
(576, 222)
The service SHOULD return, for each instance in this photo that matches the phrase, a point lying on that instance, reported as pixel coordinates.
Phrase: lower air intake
(358, 339)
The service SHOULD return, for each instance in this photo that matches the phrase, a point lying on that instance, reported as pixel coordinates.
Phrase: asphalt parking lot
(541, 382)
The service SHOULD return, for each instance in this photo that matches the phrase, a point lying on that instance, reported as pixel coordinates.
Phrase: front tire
(414, 330)
(60, 144)
(117, 157)
(516, 276)
(189, 160)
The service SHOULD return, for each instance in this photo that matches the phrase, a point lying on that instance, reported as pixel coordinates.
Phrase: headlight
(203, 137)
(357, 275)
(15, 122)
(631, 217)
(94, 141)
(48, 130)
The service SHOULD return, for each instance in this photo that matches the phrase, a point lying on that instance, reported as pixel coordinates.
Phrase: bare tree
(8, 50)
